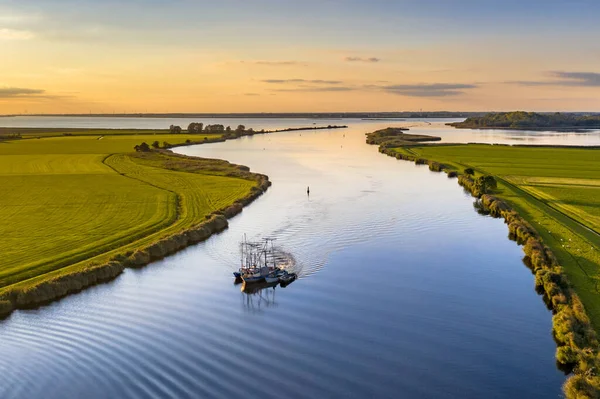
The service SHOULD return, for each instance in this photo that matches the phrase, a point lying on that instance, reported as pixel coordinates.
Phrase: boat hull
(253, 279)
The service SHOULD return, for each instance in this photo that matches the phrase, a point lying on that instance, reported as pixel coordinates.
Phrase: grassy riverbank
(557, 190)
(77, 209)
(550, 198)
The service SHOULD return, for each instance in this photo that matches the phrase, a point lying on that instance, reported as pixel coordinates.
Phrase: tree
(490, 182)
(484, 184)
(194, 128)
(214, 129)
(469, 171)
(240, 129)
(156, 144)
(228, 129)
(175, 129)
(144, 147)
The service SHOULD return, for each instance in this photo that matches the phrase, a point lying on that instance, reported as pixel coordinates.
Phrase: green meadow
(70, 200)
(557, 190)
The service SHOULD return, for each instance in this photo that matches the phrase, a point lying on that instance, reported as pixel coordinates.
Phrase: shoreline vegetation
(13, 133)
(573, 331)
(519, 120)
(180, 183)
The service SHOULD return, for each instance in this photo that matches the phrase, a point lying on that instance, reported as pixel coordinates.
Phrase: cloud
(429, 90)
(12, 92)
(318, 89)
(562, 78)
(412, 90)
(279, 63)
(15, 34)
(313, 81)
(360, 59)
(251, 94)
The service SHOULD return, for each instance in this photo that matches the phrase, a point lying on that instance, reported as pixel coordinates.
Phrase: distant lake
(404, 291)
(433, 126)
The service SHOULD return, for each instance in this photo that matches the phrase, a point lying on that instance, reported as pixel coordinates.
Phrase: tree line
(200, 128)
(521, 119)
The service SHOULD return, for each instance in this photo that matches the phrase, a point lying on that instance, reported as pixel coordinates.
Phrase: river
(404, 291)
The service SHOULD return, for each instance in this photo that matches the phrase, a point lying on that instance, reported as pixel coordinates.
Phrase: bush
(144, 147)
(566, 355)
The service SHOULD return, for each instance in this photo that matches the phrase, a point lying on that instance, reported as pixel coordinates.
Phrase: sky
(137, 56)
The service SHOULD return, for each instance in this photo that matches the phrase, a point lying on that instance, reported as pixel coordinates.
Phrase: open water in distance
(434, 126)
(405, 291)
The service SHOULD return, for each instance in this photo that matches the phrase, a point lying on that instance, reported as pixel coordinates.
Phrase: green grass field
(57, 132)
(71, 199)
(90, 144)
(556, 189)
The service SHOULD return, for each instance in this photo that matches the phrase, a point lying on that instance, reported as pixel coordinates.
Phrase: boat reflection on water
(256, 288)
(257, 296)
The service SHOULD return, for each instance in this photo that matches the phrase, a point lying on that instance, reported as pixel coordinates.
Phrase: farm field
(556, 189)
(70, 200)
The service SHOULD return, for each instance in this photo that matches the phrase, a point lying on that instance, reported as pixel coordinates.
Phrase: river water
(404, 291)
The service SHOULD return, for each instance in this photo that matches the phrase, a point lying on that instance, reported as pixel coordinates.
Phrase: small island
(396, 137)
(520, 120)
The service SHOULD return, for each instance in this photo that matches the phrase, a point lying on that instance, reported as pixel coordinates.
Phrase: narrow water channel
(405, 291)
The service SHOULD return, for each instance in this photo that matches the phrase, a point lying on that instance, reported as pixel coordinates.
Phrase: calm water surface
(405, 291)
(434, 127)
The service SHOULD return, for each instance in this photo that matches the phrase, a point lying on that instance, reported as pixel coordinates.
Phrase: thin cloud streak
(279, 63)
(429, 90)
(563, 78)
(410, 90)
(361, 59)
(318, 89)
(12, 92)
(313, 81)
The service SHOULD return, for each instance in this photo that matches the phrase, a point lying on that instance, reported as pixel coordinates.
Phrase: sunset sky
(79, 56)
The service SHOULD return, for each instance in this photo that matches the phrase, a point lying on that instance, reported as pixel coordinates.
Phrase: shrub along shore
(63, 281)
(576, 339)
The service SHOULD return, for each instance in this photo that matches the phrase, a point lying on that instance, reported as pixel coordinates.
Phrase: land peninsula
(550, 200)
(81, 205)
(530, 121)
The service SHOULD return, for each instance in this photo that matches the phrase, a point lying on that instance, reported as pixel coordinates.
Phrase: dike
(53, 288)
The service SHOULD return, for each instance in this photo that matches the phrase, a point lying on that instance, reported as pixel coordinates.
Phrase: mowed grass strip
(68, 201)
(91, 145)
(54, 220)
(199, 193)
(555, 189)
